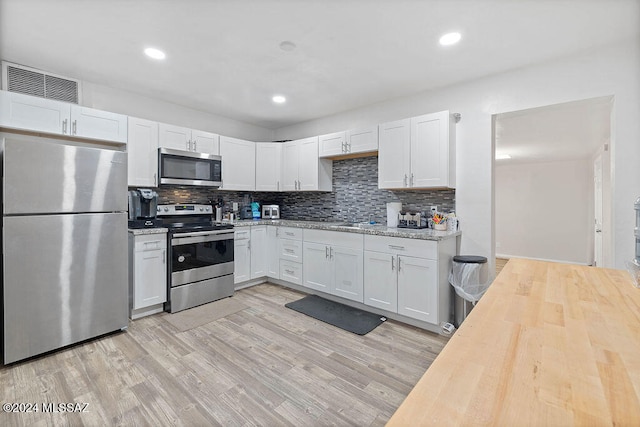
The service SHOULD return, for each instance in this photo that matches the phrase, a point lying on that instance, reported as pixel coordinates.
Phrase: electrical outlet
(434, 209)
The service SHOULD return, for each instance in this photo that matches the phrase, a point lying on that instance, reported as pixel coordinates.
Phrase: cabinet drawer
(291, 271)
(335, 238)
(150, 242)
(290, 249)
(396, 245)
(244, 234)
(290, 233)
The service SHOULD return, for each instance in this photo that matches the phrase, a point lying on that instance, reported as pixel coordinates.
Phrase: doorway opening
(552, 183)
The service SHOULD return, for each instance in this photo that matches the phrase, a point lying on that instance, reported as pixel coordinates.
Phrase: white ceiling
(571, 130)
(223, 56)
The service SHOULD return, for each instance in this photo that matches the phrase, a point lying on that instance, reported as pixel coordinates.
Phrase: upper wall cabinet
(180, 138)
(143, 153)
(302, 170)
(268, 166)
(238, 164)
(349, 143)
(26, 112)
(417, 152)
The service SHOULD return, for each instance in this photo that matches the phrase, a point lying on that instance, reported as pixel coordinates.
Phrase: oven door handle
(199, 238)
(202, 233)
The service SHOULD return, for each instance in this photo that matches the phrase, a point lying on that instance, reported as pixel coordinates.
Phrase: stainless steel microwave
(189, 168)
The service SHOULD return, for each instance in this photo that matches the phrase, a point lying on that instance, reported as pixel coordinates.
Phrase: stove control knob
(159, 209)
(208, 208)
(201, 209)
(166, 209)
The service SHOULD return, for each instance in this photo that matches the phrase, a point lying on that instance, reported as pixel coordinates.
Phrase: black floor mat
(348, 318)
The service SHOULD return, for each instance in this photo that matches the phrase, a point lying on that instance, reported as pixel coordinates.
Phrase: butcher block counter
(548, 345)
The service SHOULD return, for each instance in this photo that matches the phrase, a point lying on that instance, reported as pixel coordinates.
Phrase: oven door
(200, 256)
(189, 168)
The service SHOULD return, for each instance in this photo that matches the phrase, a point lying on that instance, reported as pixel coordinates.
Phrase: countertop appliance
(143, 204)
(64, 243)
(415, 220)
(189, 168)
(270, 211)
(200, 256)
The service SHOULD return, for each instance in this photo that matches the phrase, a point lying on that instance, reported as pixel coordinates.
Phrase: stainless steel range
(200, 256)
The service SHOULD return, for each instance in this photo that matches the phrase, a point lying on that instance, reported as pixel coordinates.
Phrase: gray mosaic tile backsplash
(355, 196)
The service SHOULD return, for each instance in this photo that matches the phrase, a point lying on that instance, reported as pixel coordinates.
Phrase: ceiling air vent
(31, 81)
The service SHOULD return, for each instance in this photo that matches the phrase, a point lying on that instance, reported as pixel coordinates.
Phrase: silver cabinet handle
(277, 231)
(405, 179)
(278, 185)
(289, 251)
(326, 251)
(348, 146)
(74, 127)
(249, 245)
(344, 148)
(330, 253)
(155, 179)
(299, 185)
(393, 266)
(64, 126)
(164, 256)
(289, 271)
(195, 146)
(295, 184)
(411, 181)
(398, 248)
(399, 259)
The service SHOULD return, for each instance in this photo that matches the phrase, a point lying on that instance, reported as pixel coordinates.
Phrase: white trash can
(469, 277)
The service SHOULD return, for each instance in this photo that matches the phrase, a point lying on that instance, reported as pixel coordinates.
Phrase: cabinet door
(273, 258)
(241, 261)
(142, 147)
(362, 140)
(333, 144)
(317, 268)
(150, 278)
(175, 137)
(238, 164)
(393, 154)
(33, 113)
(380, 281)
(308, 164)
(205, 142)
(98, 124)
(430, 150)
(418, 288)
(258, 249)
(348, 266)
(290, 155)
(268, 166)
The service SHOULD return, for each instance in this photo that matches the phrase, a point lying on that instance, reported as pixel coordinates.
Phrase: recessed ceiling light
(450, 38)
(279, 99)
(502, 156)
(287, 46)
(154, 53)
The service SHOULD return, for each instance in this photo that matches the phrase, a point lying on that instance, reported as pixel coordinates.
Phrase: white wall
(613, 70)
(132, 104)
(543, 210)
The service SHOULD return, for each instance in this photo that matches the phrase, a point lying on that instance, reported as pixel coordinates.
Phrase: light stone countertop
(363, 228)
(141, 231)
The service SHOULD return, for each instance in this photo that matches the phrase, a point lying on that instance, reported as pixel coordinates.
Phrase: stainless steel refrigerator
(64, 243)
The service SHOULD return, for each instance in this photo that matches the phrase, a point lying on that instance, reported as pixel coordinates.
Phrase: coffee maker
(143, 205)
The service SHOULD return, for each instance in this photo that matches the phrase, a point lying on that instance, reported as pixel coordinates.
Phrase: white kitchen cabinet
(351, 142)
(238, 164)
(409, 277)
(258, 251)
(147, 274)
(273, 258)
(242, 255)
(268, 166)
(417, 288)
(26, 112)
(302, 169)
(290, 254)
(333, 263)
(142, 150)
(186, 139)
(417, 152)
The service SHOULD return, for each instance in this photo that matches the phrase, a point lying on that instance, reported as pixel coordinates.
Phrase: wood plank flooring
(500, 263)
(265, 365)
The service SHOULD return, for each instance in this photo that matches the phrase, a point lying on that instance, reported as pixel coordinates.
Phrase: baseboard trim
(506, 256)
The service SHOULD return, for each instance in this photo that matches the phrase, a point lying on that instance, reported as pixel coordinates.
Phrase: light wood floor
(265, 365)
(500, 263)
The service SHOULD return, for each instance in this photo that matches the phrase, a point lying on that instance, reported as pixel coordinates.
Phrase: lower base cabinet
(147, 274)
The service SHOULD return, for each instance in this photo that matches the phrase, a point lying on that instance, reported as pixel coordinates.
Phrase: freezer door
(64, 280)
(46, 176)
